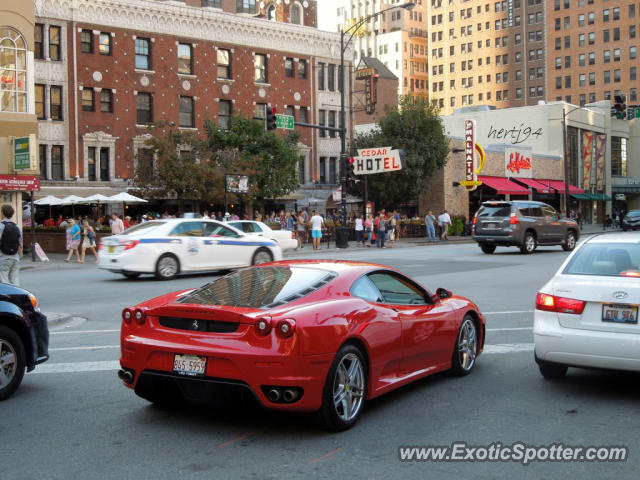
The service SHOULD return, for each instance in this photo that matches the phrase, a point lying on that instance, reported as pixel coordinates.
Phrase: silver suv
(524, 224)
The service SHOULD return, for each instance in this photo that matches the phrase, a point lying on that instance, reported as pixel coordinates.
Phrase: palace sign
(376, 160)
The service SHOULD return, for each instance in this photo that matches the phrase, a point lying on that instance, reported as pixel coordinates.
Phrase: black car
(24, 337)
(631, 220)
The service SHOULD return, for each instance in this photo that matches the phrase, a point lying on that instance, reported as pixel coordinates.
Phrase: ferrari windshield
(263, 287)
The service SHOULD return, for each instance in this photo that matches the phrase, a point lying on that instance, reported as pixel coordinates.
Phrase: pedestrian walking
(430, 221)
(117, 226)
(74, 235)
(368, 230)
(88, 240)
(393, 230)
(316, 229)
(444, 220)
(10, 246)
(359, 229)
(380, 230)
(302, 230)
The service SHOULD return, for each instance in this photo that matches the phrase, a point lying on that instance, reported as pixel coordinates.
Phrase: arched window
(295, 13)
(271, 13)
(13, 71)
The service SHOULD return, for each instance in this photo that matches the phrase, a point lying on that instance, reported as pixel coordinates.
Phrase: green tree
(176, 170)
(247, 148)
(416, 128)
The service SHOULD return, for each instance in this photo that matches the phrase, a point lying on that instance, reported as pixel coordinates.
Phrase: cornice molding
(198, 23)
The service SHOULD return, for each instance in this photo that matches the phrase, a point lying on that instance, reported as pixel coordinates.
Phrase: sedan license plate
(192, 365)
(111, 248)
(612, 312)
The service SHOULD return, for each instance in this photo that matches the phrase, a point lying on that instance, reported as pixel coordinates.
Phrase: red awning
(503, 186)
(559, 186)
(539, 187)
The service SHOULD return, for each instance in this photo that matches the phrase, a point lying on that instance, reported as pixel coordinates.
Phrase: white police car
(168, 247)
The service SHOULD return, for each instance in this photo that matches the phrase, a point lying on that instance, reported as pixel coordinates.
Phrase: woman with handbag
(73, 240)
(88, 240)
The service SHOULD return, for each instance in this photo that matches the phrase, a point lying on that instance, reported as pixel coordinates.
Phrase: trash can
(342, 237)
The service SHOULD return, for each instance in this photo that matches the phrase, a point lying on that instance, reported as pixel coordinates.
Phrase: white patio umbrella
(72, 200)
(125, 197)
(49, 200)
(98, 198)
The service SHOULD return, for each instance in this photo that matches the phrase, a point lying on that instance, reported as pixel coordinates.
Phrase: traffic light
(620, 106)
(348, 171)
(270, 118)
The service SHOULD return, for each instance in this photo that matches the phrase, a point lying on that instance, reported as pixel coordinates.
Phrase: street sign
(285, 121)
(376, 160)
(21, 153)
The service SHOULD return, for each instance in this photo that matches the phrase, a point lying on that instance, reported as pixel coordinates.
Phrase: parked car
(304, 335)
(587, 314)
(523, 224)
(168, 247)
(24, 337)
(631, 220)
(285, 238)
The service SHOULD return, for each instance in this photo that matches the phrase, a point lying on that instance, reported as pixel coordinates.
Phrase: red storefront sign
(23, 183)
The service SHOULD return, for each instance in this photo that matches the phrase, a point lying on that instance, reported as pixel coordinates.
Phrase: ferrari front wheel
(345, 389)
(466, 348)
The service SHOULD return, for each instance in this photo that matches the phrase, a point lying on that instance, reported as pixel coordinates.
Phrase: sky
(327, 14)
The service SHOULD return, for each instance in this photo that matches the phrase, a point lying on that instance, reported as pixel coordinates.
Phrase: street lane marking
(505, 312)
(508, 348)
(235, 440)
(324, 457)
(508, 329)
(77, 367)
(84, 331)
(95, 347)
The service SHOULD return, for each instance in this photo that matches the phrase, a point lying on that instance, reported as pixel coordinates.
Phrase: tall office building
(398, 38)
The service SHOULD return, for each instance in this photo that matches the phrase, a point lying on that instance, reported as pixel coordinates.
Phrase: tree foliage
(416, 128)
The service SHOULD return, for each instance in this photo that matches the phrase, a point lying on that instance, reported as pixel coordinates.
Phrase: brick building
(106, 68)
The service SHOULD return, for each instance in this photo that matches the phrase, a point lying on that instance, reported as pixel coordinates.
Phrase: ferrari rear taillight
(127, 315)
(139, 316)
(286, 327)
(551, 303)
(513, 220)
(263, 326)
(129, 244)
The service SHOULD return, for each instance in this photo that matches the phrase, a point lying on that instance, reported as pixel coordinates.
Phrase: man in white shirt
(316, 229)
(117, 226)
(444, 220)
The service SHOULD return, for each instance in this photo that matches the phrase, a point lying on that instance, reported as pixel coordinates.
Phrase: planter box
(53, 241)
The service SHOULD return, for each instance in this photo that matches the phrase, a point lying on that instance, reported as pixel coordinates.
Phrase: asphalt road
(72, 418)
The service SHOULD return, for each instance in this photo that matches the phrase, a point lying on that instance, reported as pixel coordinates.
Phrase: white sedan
(587, 314)
(168, 247)
(285, 238)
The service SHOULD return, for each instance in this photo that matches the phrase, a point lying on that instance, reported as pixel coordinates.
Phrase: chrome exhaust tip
(273, 395)
(126, 376)
(289, 396)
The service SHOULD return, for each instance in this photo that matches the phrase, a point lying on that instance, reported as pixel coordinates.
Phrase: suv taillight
(551, 303)
(513, 219)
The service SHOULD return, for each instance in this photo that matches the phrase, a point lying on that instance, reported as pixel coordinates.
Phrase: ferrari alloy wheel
(12, 362)
(464, 355)
(167, 267)
(552, 371)
(345, 389)
(570, 242)
(261, 256)
(529, 244)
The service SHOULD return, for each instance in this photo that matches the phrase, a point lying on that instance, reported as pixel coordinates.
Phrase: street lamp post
(342, 234)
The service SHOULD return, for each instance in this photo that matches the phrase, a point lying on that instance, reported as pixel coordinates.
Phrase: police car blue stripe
(246, 244)
(160, 240)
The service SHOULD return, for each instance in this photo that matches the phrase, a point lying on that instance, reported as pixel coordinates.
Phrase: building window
(321, 76)
(618, 156)
(617, 75)
(288, 67)
(57, 158)
(86, 41)
(185, 59)
(295, 13)
(260, 68)
(54, 43)
(144, 108)
(13, 70)
(632, 73)
(331, 77)
(42, 157)
(322, 167)
(224, 114)
(224, 63)
(616, 54)
(260, 111)
(212, 3)
(271, 13)
(332, 170)
(87, 100)
(186, 118)
(592, 58)
(301, 170)
(607, 56)
(143, 54)
(302, 69)
(246, 6)
(91, 164)
(55, 103)
(605, 35)
(104, 164)
(304, 115)
(39, 98)
(632, 52)
(592, 78)
(106, 100)
(104, 41)
(38, 43)
(332, 123)
(607, 76)
(322, 121)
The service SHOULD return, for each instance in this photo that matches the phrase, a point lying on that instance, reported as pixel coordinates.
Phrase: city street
(73, 418)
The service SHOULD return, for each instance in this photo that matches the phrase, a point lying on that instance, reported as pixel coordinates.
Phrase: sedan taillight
(129, 244)
(551, 303)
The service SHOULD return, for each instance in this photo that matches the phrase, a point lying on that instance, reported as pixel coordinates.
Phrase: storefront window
(13, 71)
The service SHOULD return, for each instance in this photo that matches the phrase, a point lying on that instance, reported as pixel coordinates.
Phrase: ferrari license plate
(111, 248)
(613, 312)
(192, 365)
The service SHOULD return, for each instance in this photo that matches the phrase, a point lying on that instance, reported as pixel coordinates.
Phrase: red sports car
(299, 335)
